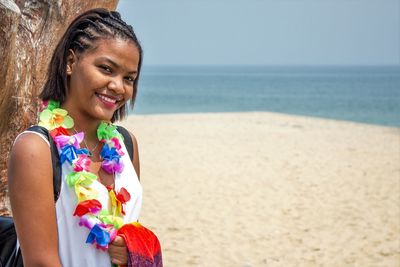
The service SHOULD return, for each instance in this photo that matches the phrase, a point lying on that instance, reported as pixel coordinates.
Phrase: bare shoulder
(30, 146)
(30, 156)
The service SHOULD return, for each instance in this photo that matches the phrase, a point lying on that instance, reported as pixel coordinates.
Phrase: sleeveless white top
(73, 249)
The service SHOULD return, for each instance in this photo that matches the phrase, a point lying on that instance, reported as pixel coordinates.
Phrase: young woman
(94, 71)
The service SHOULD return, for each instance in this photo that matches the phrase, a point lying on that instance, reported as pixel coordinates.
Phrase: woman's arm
(30, 181)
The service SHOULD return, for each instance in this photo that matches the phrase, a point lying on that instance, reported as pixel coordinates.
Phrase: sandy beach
(266, 189)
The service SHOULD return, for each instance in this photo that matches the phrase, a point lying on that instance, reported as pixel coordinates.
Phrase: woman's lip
(108, 101)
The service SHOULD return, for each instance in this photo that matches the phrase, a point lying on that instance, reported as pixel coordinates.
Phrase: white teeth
(107, 99)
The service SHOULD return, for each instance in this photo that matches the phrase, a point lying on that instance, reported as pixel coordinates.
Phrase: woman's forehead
(120, 51)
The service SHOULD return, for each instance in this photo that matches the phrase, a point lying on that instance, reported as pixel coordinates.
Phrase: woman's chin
(103, 116)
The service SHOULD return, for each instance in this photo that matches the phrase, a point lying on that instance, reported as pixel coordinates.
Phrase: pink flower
(75, 140)
(116, 143)
(88, 221)
(82, 163)
(111, 166)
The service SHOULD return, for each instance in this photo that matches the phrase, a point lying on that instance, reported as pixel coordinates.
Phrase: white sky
(269, 32)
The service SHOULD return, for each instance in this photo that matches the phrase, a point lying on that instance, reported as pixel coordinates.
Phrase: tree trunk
(29, 32)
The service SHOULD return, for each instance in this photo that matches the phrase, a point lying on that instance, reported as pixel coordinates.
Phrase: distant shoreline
(263, 112)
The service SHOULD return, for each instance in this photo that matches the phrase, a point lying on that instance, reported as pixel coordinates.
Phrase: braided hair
(81, 36)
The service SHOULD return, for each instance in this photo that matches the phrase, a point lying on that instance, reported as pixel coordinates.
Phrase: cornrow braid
(81, 36)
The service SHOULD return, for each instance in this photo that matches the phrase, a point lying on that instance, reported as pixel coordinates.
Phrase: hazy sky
(267, 32)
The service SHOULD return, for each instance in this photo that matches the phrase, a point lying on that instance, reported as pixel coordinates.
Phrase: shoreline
(269, 189)
(263, 112)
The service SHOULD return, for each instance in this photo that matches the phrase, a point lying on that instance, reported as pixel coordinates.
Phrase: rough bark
(29, 32)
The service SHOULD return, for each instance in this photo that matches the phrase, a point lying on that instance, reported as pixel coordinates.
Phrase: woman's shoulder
(30, 139)
(30, 159)
(29, 145)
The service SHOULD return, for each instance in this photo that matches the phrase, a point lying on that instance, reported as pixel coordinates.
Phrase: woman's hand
(118, 251)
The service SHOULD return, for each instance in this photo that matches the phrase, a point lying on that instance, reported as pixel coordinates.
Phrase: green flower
(106, 131)
(53, 104)
(106, 218)
(83, 178)
(53, 117)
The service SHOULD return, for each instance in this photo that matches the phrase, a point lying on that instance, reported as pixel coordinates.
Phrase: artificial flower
(88, 221)
(70, 153)
(119, 199)
(84, 192)
(88, 206)
(115, 143)
(55, 118)
(74, 140)
(58, 131)
(81, 182)
(51, 104)
(107, 218)
(82, 163)
(109, 153)
(111, 163)
(112, 166)
(98, 236)
(82, 178)
(123, 195)
(106, 131)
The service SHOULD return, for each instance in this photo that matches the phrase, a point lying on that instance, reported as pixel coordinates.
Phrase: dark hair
(80, 36)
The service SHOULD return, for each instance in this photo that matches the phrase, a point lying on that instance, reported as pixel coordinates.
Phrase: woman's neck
(84, 124)
(88, 127)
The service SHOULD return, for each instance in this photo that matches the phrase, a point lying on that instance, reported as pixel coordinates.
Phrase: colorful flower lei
(102, 224)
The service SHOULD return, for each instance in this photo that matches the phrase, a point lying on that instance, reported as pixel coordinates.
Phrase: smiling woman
(102, 81)
(92, 75)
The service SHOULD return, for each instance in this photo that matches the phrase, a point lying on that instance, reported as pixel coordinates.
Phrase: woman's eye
(105, 68)
(130, 79)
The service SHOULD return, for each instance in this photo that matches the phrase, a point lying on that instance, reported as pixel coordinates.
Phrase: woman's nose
(116, 85)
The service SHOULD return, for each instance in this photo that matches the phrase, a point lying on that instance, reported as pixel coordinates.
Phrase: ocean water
(361, 94)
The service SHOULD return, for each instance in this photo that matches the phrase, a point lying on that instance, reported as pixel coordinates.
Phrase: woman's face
(101, 80)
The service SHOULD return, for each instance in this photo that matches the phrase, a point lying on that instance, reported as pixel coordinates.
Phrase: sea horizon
(359, 93)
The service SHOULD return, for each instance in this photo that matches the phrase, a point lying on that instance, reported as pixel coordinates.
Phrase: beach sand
(266, 189)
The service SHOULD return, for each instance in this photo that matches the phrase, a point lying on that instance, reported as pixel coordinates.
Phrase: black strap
(55, 159)
(9, 254)
(127, 140)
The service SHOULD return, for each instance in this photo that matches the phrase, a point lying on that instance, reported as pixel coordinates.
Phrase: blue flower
(109, 154)
(98, 235)
(70, 153)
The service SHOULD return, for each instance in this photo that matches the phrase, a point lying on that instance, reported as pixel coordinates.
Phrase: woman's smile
(108, 101)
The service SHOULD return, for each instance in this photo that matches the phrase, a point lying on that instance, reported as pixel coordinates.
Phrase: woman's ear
(71, 59)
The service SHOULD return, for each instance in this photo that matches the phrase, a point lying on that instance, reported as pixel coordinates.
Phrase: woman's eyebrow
(109, 61)
(116, 65)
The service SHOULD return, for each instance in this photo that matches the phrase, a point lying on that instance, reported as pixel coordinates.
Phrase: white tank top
(73, 249)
